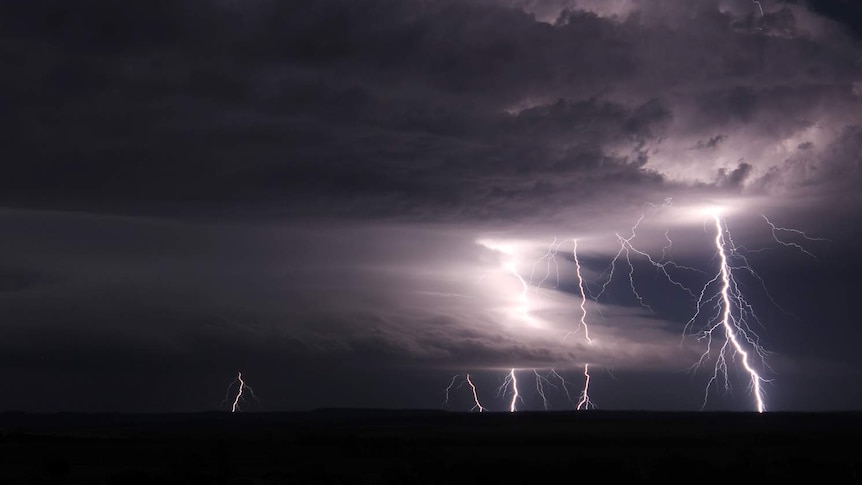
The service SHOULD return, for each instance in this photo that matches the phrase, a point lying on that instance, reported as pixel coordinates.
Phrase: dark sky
(352, 202)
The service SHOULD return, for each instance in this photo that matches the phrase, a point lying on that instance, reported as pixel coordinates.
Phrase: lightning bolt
(448, 389)
(550, 259)
(510, 385)
(759, 6)
(563, 384)
(584, 402)
(474, 393)
(731, 317)
(241, 386)
(476, 405)
(613, 265)
(543, 380)
(540, 387)
(583, 321)
(720, 302)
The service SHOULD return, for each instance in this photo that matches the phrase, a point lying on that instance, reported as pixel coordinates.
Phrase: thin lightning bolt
(626, 248)
(550, 258)
(776, 229)
(563, 384)
(449, 388)
(665, 251)
(239, 393)
(624, 244)
(543, 380)
(540, 388)
(583, 321)
(242, 386)
(585, 402)
(759, 6)
(469, 382)
(510, 384)
(477, 405)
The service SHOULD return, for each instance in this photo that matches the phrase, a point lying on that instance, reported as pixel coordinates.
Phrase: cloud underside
(434, 111)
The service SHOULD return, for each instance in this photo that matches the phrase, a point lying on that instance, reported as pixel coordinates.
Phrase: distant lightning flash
(241, 387)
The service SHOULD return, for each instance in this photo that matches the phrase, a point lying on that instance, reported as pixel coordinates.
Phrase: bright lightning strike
(731, 316)
(584, 402)
(583, 293)
(477, 405)
(720, 302)
(510, 385)
(241, 387)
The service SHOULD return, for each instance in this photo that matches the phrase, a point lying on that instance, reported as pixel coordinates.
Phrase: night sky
(341, 199)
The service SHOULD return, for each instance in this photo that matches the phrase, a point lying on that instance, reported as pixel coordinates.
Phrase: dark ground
(370, 446)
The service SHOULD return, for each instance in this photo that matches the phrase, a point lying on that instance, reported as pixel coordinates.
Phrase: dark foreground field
(355, 446)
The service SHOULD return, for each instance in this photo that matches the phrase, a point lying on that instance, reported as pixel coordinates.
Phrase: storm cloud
(306, 185)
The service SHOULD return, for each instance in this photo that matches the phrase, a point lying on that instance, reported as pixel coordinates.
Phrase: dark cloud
(710, 144)
(391, 108)
(845, 12)
(734, 178)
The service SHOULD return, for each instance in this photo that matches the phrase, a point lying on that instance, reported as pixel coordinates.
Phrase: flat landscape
(391, 446)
